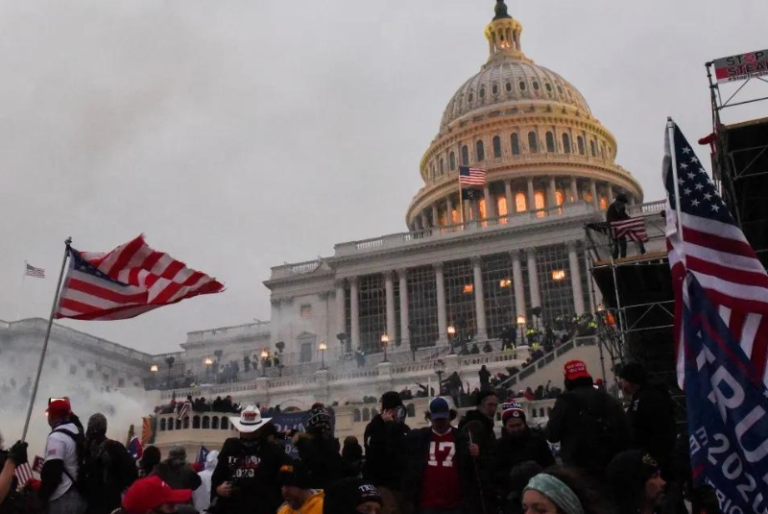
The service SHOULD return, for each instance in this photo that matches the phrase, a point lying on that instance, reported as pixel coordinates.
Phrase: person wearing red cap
(589, 424)
(153, 496)
(64, 451)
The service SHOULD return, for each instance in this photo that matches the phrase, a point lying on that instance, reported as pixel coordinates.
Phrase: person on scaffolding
(617, 211)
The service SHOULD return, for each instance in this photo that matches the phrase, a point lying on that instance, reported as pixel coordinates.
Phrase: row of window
(204, 422)
(438, 168)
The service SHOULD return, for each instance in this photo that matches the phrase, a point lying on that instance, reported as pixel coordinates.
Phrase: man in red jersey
(441, 476)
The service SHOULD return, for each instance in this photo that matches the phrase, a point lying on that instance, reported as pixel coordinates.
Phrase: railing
(249, 329)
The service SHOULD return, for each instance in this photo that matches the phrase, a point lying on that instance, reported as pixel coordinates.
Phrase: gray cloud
(238, 135)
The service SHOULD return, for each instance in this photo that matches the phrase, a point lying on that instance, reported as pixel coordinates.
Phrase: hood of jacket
(211, 460)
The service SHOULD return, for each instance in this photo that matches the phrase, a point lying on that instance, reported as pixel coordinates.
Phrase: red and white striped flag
(31, 271)
(708, 243)
(23, 474)
(185, 409)
(632, 228)
(130, 280)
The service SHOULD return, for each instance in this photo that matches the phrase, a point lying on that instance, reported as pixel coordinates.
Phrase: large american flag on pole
(128, 281)
(708, 243)
(471, 177)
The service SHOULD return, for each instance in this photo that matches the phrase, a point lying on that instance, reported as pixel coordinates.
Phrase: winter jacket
(323, 460)
(313, 505)
(590, 426)
(418, 454)
(651, 416)
(478, 428)
(253, 472)
(385, 452)
(613, 213)
(178, 477)
(511, 451)
(202, 495)
(110, 470)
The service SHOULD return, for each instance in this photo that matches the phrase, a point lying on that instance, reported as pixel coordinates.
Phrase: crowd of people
(611, 460)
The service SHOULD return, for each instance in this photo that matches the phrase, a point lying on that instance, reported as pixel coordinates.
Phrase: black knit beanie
(391, 400)
(345, 496)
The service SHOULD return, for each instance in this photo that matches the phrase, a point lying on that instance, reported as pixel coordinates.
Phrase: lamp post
(384, 344)
(154, 369)
(322, 347)
(439, 369)
(451, 333)
(521, 324)
(264, 354)
(170, 360)
(208, 363)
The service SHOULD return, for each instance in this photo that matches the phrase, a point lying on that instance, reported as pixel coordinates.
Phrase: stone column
(552, 193)
(578, 294)
(575, 189)
(435, 216)
(405, 335)
(341, 306)
(355, 312)
(609, 192)
(482, 330)
(508, 194)
(517, 278)
(490, 205)
(424, 220)
(531, 195)
(390, 291)
(593, 190)
(533, 278)
(449, 210)
(442, 322)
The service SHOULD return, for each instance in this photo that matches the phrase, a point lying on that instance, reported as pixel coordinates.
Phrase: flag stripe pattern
(32, 271)
(23, 474)
(714, 249)
(130, 280)
(185, 409)
(633, 229)
(471, 177)
(146, 430)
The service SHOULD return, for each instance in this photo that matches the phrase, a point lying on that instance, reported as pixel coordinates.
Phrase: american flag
(713, 248)
(23, 474)
(32, 271)
(471, 177)
(128, 281)
(185, 409)
(633, 228)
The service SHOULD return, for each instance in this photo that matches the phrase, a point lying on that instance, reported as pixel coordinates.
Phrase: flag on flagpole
(135, 448)
(185, 409)
(471, 177)
(708, 243)
(727, 406)
(202, 454)
(146, 430)
(31, 271)
(632, 228)
(126, 282)
(23, 474)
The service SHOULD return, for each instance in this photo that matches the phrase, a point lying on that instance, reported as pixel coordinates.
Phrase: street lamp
(451, 332)
(208, 363)
(384, 344)
(153, 368)
(264, 354)
(521, 324)
(439, 369)
(322, 347)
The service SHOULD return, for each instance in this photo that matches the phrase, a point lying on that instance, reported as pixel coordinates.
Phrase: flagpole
(673, 156)
(21, 296)
(55, 306)
(461, 201)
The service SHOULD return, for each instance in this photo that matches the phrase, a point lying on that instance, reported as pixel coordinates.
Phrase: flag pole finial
(501, 10)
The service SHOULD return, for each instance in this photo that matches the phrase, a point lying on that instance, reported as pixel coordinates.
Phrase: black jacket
(418, 454)
(652, 419)
(385, 452)
(253, 471)
(590, 426)
(613, 213)
(323, 460)
(179, 477)
(511, 451)
(109, 471)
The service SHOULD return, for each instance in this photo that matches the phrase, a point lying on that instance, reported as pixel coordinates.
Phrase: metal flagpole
(21, 296)
(461, 201)
(673, 157)
(67, 244)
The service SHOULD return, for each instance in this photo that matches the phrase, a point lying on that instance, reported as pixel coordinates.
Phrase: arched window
(520, 202)
(495, 89)
(482, 92)
(533, 142)
(540, 202)
(603, 203)
(452, 161)
(366, 414)
(550, 142)
(566, 143)
(224, 423)
(580, 143)
(442, 166)
(170, 424)
(479, 151)
(178, 424)
(206, 422)
(481, 208)
(215, 422)
(592, 148)
(515, 140)
(196, 422)
(465, 155)
(559, 197)
(496, 146)
(356, 416)
(186, 422)
(162, 424)
(501, 206)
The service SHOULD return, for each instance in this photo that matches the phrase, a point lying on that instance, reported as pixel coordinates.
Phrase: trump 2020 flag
(727, 408)
(202, 454)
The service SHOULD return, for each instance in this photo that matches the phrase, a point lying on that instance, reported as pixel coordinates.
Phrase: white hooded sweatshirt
(202, 495)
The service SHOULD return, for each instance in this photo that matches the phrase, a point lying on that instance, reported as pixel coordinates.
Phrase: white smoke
(122, 407)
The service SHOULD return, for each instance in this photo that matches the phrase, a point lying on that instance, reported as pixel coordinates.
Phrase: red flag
(128, 281)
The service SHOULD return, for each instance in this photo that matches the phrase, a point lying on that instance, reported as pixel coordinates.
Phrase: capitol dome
(532, 132)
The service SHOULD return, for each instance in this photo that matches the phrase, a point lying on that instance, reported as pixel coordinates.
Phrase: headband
(556, 490)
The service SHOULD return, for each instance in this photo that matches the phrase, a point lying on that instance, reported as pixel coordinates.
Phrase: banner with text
(741, 67)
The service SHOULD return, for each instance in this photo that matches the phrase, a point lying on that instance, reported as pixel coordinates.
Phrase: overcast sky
(238, 135)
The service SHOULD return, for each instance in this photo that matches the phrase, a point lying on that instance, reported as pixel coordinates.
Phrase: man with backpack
(64, 460)
(110, 470)
(589, 424)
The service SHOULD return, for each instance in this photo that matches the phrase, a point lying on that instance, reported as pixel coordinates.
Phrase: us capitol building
(520, 245)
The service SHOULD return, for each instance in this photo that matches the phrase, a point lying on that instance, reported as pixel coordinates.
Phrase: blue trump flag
(727, 409)
(202, 454)
(287, 422)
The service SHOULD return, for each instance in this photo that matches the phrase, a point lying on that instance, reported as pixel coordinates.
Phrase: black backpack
(81, 484)
(600, 436)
